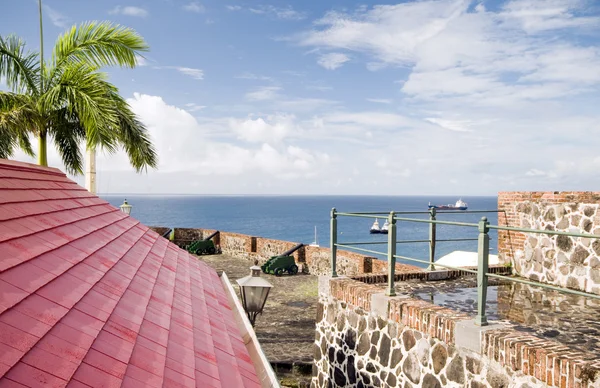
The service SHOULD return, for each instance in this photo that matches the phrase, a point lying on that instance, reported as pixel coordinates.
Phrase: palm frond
(135, 139)
(21, 69)
(68, 134)
(87, 95)
(18, 118)
(99, 44)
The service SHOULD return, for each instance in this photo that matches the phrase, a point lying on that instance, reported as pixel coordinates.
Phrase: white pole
(90, 170)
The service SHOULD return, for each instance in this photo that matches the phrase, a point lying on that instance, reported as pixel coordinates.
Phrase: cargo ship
(459, 205)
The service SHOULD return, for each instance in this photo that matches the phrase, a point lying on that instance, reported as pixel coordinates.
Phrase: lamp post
(254, 291)
(126, 208)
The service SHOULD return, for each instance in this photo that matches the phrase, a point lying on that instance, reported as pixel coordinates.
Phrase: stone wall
(364, 339)
(561, 260)
(313, 260)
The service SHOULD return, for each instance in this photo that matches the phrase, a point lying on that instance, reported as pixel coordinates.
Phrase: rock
(391, 380)
(532, 241)
(384, 349)
(393, 329)
(381, 323)
(339, 377)
(430, 381)
(350, 339)
(579, 256)
(371, 368)
(340, 356)
(564, 243)
(588, 211)
(365, 378)
(550, 215)
(351, 370)
(411, 368)
(373, 352)
(408, 339)
(319, 312)
(443, 380)
(376, 381)
(439, 355)
(456, 370)
(587, 225)
(575, 219)
(595, 275)
(534, 276)
(477, 384)
(596, 247)
(396, 358)
(473, 365)
(375, 338)
(331, 354)
(496, 380)
(363, 344)
(563, 224)
(353, 319)
(561, 258)
(423, 351)
(572, 283)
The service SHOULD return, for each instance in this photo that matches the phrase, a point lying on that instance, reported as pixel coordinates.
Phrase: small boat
(316, 242)
(459, 205)
(384, 228)
(375, 227)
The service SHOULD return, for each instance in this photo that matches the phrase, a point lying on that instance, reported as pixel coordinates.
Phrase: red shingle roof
(91, 297)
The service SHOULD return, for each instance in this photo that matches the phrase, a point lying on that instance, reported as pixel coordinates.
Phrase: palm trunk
(90, 170)
(42, 155)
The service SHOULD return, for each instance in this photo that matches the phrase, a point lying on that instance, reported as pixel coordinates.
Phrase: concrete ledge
(380, 303)
(468, 335)
(264, 370)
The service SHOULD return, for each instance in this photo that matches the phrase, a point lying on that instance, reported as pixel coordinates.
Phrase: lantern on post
(254, 291)
(126, 208)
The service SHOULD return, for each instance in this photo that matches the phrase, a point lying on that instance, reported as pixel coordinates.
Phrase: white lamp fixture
(254, 291)
(126, 208)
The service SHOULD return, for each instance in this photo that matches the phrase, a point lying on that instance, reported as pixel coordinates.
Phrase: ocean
(294, 218)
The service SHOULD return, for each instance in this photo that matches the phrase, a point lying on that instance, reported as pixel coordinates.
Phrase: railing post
(432, 233)
(391, 291)
(333, 242)
(483, 250)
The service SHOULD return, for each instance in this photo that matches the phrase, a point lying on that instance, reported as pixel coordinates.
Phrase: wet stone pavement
(286, 329)
(571, 320)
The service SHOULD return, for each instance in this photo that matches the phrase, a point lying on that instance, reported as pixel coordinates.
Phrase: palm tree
(68, 99)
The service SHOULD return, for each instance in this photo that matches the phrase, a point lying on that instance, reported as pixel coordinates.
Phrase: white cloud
(189, 71)
(193, 107)
(57, 18)
(453, 125)
(283, 13)
(129, 10)
(194, 6)
(333, 61)
(264, 93)
(541, 15)
(141, 61)
(380, 100)
(264, 130)
(252, 76)
(233, 7)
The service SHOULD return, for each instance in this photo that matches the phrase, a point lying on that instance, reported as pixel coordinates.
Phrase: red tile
(177, 380)
(203, 380)
(11, 295)
(27, 276)
(16, 338)
(144, 377)
(9, 356)
(105, 363)
(7, 383)
(148, 360)
(50, 363)
(61, 348)
(65, 290)
(72, 335)
(27, 375)
(83, 322)
(113, 346)
(25, 323)
(41, 309)
(94, 377)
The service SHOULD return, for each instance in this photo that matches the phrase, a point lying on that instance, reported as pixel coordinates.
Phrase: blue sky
(334, 97)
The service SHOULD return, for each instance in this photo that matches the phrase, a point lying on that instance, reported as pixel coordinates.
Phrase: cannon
(277, 265)
(203, 247)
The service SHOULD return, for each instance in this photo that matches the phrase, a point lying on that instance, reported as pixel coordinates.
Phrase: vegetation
(68, 99)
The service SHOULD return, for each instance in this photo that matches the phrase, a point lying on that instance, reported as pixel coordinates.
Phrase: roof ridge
(60, 320)
(24, 166)
(50, 199)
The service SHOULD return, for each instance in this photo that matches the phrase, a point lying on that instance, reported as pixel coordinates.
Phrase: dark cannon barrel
(211, 236)
(294, 249)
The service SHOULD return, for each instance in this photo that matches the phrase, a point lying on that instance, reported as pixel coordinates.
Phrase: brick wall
(564, 261)
(315, 260)
(411, 342)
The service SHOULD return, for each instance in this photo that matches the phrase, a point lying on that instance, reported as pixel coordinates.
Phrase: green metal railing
(483, 250)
